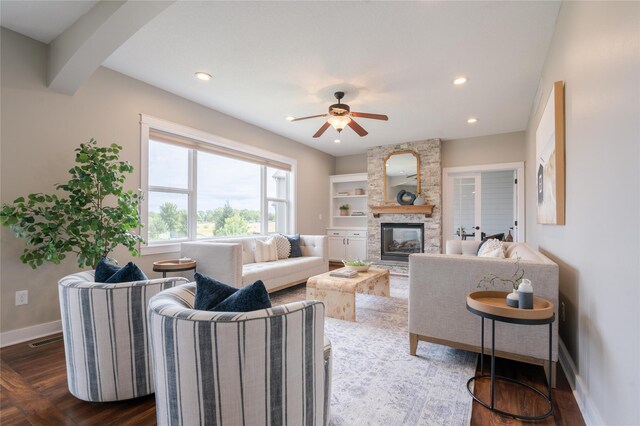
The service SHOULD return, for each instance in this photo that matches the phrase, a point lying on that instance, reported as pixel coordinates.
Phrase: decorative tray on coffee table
(494, 302)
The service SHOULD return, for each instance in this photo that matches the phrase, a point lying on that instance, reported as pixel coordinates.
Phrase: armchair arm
(315, 245)
(222, 261)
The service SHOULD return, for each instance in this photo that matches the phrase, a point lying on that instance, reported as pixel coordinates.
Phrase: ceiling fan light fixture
(339, 122)
(203, 76)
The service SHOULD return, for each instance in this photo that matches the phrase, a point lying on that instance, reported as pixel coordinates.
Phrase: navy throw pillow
(296, 251)
(210, 292)
(250, 298)
(104, 270)
(129, 272)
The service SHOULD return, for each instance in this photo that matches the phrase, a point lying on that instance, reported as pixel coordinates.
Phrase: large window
(198, 190)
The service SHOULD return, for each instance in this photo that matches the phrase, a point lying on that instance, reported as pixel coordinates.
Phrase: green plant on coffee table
(356, 263)
(493, 281)
(344, 207)
(94, 216)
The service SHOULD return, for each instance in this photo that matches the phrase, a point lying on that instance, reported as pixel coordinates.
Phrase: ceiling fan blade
(311, 116)
(367, 115)
(322, 129)
(357, 128)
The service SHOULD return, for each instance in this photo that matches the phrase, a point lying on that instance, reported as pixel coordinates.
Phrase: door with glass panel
(483, 204)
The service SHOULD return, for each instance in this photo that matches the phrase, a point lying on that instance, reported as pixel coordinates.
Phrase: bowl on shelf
(357, 265)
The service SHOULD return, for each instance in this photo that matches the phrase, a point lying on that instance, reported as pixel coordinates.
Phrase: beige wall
(596, 51)
(492, 149)
(502, 148)
(351, 164)
(40, 130)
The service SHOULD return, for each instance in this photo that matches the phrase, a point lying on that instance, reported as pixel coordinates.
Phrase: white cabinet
(347, 245)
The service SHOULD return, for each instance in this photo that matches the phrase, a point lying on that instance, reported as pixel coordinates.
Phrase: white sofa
(439, 283)
(232, 261)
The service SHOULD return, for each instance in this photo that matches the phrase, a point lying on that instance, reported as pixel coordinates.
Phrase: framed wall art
(550, 159)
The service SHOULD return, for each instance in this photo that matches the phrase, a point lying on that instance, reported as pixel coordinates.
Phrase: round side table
(492, 305)
(173, 265)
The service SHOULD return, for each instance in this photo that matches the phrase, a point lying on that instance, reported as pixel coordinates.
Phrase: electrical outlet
(22, 297)
(563, 313)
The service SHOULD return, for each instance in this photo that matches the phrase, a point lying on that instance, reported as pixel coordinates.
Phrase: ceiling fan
(340, 115)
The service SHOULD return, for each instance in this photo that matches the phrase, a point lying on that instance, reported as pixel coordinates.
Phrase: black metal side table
(492, 305)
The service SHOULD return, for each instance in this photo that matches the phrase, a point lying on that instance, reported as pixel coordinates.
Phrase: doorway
(485, 200)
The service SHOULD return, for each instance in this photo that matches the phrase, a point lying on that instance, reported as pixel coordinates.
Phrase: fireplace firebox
(399, 240)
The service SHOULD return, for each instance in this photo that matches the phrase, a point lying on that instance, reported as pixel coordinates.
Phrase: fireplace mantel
(426, 210)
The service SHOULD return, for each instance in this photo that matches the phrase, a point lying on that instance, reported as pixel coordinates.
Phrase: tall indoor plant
(94, 216)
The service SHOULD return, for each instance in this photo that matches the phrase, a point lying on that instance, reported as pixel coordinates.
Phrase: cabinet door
(336, 248)
(356, 248)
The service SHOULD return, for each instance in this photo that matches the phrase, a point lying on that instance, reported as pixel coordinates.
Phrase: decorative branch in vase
(514, 281)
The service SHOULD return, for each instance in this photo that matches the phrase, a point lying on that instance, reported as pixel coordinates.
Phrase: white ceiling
(42, 20)
(274, 59)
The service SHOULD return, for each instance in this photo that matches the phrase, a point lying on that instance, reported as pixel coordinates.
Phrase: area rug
(376, 381)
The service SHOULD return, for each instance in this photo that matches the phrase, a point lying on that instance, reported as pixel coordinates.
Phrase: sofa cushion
(296, 251)
(463, 247)
(210, 292)
(250, 298)
(523, 251)
(266, 271)
(114, 274)
(266, 251)
(491, 248)
(283, 246)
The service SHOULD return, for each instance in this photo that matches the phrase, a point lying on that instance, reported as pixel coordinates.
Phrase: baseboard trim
(20, 335)
(588, 409)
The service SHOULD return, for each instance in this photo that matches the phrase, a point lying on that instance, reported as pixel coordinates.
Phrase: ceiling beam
(76, 53)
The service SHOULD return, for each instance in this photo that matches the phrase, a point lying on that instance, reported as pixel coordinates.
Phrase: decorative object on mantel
(344, 210)
(550, 159)
(87, 221)
(405, 198)
(426, 210)
(419, 201)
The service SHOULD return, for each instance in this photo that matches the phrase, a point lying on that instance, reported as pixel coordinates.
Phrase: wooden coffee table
(339, 294)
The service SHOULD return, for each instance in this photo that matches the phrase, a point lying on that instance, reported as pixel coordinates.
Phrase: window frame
(149, 123)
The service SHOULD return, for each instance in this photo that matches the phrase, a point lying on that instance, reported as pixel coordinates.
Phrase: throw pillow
(266, 251)
(128, 273)
(210, 292)
(296, 250)
(104, 270)
(492, 248)
(499, 237)
(283, 246)
(250, 298)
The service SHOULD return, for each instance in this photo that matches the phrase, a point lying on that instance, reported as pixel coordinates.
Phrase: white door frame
(447, 193)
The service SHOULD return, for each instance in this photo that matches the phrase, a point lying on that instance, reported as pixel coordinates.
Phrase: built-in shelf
(426, 210)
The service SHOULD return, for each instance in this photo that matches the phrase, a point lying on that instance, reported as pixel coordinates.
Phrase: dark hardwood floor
(33, 391)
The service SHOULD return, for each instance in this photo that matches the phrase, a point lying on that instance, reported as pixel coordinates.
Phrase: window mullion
(192, 215)
(264, 202)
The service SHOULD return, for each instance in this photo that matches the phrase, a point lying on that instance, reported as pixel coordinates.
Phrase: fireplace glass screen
(399, 240)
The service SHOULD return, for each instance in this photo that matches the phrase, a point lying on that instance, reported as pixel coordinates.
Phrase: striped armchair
(105, 336)
(271, 366)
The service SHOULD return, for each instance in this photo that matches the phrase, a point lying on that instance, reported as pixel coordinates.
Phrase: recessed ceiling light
(337, 141)
(472, 120)
(203, 76)
(290, 118)
(460, 80)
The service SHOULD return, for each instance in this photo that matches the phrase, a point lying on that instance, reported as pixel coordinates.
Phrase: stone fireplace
(431, 190)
